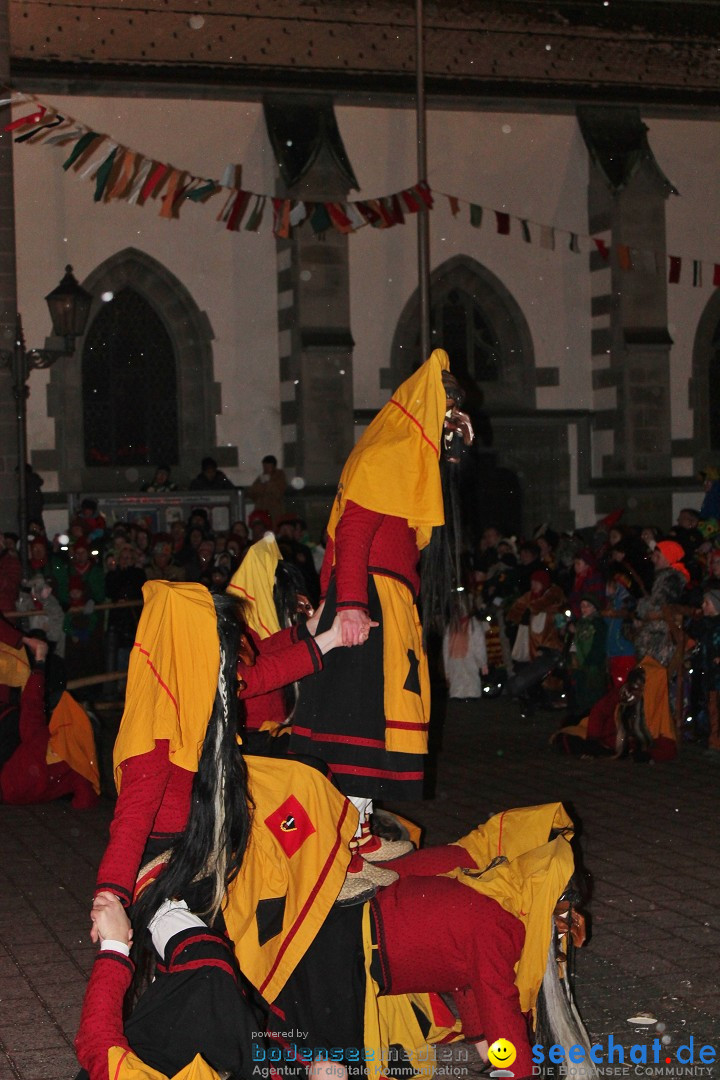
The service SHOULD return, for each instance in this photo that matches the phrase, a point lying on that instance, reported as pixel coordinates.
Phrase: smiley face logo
(502, 1053)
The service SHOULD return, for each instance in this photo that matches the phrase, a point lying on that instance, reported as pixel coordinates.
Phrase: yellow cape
(124, 1065)
(72, 740)
(298, 852)
(172, 676)
(393, 468)
(529, 884)
(253, 582)
(14, 666)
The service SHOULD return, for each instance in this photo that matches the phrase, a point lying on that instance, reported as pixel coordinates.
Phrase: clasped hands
(355, 626)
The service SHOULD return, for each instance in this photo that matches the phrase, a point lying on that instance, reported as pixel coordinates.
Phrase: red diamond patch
(290, 825)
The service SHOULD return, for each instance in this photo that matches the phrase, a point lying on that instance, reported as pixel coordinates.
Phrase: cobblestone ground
(650, 841)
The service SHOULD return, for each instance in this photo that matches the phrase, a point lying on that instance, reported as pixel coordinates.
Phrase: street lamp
(69, 306)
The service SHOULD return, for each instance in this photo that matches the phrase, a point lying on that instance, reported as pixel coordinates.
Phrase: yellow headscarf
(529, 884)
(393, 468)
(71, 740)
(173, 674)
(253, 582)
(14, 665)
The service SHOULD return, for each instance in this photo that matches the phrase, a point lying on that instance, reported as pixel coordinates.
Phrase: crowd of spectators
(84, 588)
(575, 613)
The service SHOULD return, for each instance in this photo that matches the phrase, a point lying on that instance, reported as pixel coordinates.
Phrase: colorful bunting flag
(624, 257)
(122, 173)
(237, 212)
(547, 237)
(338, 217)
(298, 213)
(320, 220)
(411, 202)
(23, 121)
(103, 175)
(39, 128)
(281, 218)
(423, 190)
(156, 179)
(256, 214)
(476, 215)
(80, 147)
(602, 247)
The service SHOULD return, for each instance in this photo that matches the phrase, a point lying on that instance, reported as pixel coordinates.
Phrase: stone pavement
(650, 836)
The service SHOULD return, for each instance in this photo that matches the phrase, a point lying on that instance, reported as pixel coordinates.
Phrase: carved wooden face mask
(458, 432)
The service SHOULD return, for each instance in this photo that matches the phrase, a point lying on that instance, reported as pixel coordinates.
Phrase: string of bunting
(122, 173)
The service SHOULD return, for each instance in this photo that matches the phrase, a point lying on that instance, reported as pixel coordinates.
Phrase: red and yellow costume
(173, 672)
(368, 713)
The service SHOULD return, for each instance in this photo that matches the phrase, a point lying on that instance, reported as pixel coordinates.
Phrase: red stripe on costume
(307, 733)
(119, 1064)
(156, 673)
(417, 423)
(147, 879)
(192, 965)
(502, 822)
(329, 862)
(406, 727)
(193, 941)
(442, 1016)
(246, 594)
(386, 774)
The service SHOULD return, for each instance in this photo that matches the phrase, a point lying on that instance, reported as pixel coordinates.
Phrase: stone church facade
(594, 379)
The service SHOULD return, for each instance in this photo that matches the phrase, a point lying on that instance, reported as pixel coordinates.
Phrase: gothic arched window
(129, 386)
(480, 325)
(458, 325)
(140, 388)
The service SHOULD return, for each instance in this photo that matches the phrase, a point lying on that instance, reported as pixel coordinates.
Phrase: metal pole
(20, 390)
(423, 219)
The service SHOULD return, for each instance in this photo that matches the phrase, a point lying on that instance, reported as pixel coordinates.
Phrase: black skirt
(340, 716)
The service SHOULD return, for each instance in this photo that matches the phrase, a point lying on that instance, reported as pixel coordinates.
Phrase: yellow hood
(172, 676)
(393, 468)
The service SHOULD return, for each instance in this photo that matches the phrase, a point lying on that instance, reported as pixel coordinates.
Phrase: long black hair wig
(208, 855)
(440, 573)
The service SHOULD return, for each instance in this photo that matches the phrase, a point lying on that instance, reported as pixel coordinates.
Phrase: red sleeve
(32, 708)
(353, 537)
(101, 1023)
(282, 666)
(275, 643)
(144, 780)
(9, 634)
(10, 578)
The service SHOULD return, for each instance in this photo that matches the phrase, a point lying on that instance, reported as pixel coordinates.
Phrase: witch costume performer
(367, 713)
(238, 914)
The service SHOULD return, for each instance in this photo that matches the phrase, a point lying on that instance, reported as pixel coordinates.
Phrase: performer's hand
(330, 639)
(37, 647)
(312, 622)
(109, 919)
(355, 626)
